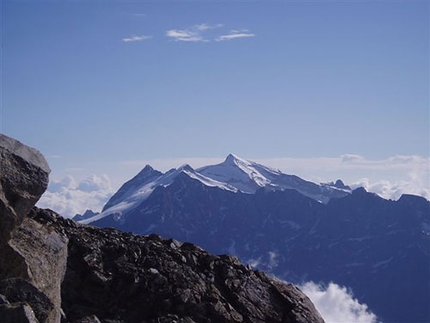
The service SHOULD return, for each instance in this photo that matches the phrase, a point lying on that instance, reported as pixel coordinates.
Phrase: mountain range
(294, 229)
(235, 175)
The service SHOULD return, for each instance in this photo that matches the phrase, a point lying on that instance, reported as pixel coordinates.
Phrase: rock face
(120, 277)
(33, 258)
(23, 179)
(54, 270)
(44, 257)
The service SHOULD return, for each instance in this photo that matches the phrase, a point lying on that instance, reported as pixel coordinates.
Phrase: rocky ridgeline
(54, 270)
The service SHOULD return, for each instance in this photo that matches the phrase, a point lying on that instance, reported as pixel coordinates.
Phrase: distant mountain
(295, 229)
(87, 214)
(233, 175)
(247, 177)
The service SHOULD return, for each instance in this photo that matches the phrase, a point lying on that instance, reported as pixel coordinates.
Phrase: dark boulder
(17, 313)
(20, 291)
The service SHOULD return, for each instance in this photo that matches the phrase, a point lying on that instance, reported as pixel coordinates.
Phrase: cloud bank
(68, 197)
(336, 304)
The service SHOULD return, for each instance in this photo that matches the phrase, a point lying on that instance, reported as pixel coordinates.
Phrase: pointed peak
(340, 184)
(182, 169)
(146, 172)
(234, 159)
(147, 168)
(186, 167)
(232, 156)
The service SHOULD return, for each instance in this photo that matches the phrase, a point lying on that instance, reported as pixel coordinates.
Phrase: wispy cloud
(192, 34)
(135, 38)
(235, 34)
(203, 27)
(200, 33)
(186, 35)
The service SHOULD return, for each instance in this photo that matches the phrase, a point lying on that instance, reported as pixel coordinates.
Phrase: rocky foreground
(54, 270)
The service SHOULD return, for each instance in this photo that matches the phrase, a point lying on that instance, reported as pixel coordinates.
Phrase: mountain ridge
(234, 174)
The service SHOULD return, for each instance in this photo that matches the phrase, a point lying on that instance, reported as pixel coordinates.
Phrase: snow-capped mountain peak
(145, 176)
(235, 160)
(140, 187)
(247, 176)
(235, 174)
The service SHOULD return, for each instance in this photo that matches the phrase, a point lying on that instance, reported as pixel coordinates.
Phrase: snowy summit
(235, 174)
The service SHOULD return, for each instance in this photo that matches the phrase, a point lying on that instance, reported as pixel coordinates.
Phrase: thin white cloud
(352, 158)
(186, 35)
(336, 304)
(235, 34)
(195, 33)
(203, 27)
(135, 38)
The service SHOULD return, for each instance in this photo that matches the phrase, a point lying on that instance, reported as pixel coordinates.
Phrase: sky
(320, 89)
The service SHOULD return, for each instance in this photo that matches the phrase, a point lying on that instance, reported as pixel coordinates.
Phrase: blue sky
(98, 85)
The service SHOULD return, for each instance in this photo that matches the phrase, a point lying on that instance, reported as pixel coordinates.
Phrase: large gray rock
(32, 257)
(24, 176)
(43, 256)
